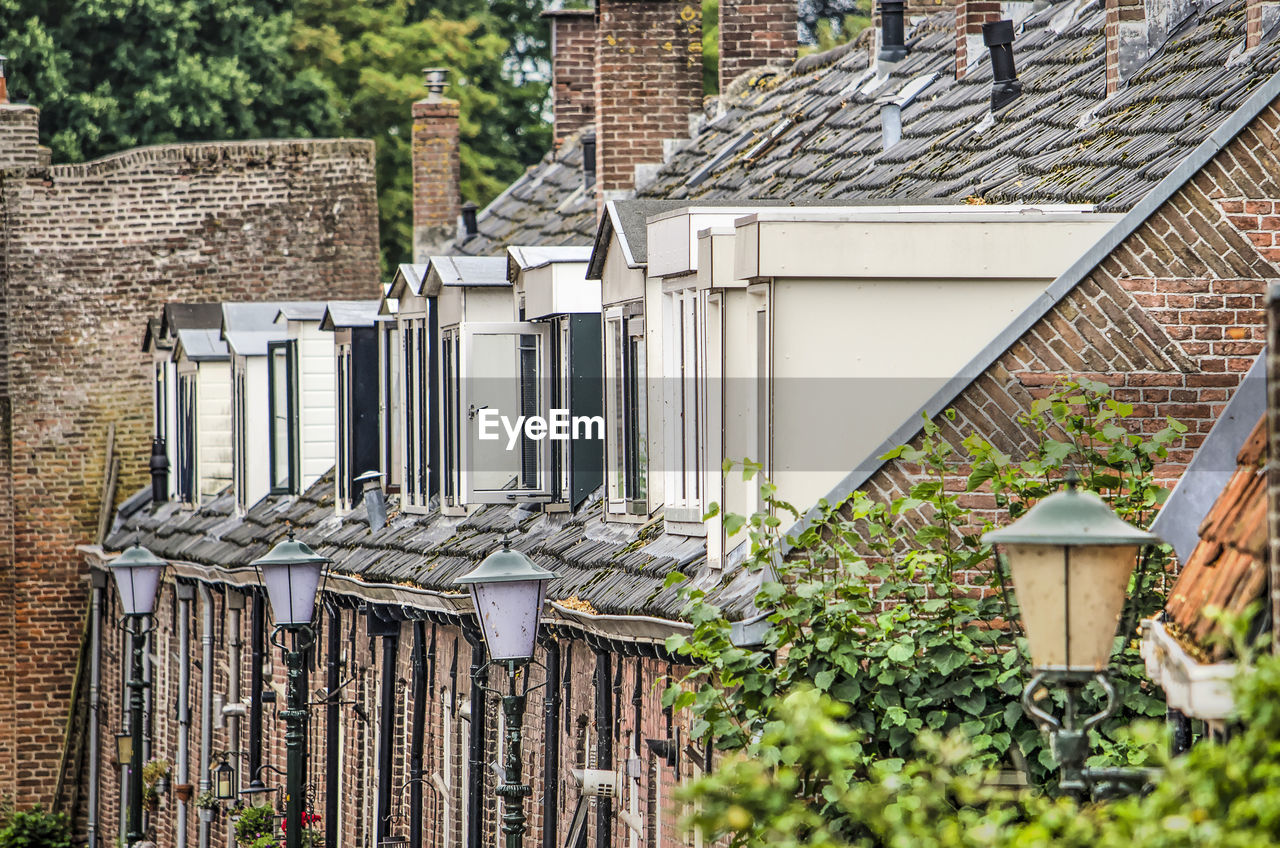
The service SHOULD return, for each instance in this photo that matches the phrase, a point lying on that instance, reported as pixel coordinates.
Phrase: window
(162, 401)
(186, 482)
(282, 394)
(684, 364)
(415, 400)
(626, 411)
(239, 435)
(496, 388)
(389, 399)
(342, 472)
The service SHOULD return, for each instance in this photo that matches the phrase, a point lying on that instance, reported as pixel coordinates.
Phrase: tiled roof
(1228, 570)
(615, 569)
(1061, 141)
(548, 205)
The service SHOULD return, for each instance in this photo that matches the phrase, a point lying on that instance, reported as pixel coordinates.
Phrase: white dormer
(249, 329)
(411, 349)
(354, 326)
(202, 425)
(300, 374)
(389, 391)
(550, 286)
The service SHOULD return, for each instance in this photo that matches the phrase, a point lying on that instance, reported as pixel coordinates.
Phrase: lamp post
(137, 574)
(1070, 558)
(291, 572)
(508, 591)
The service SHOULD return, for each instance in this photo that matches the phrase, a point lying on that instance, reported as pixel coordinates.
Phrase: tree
(113, 75)
(371, 56)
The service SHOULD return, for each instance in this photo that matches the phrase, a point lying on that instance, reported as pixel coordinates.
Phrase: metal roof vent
(1005, 88)
(891, 107)
(470, 229)
(893, 46)
(588, 160)
(436, 80)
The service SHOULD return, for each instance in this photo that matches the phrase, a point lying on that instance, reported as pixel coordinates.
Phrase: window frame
(187, 420)
(626, 411)
(343, 425)
(289, 348)
(684, 370)
(415, 398)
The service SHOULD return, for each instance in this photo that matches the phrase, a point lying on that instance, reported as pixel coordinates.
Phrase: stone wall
(90, 252)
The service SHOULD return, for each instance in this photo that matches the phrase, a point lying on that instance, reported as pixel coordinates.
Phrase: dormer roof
(310, 311)
(526, 258)
(200, 345)
(408, 280)
(469, 271)
(340, 314)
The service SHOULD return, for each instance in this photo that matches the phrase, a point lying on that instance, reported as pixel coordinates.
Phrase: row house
(708, 315)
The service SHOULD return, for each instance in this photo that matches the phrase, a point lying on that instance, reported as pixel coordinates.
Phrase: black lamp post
(508, 591)
(1070, 558)
(137, 573)
(291, 572)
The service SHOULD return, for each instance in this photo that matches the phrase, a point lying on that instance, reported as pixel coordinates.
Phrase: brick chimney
(1259, 16)
(754, 33)
(1127, 45)
(573, 70)
(970, 16)
(648, 82)
(436, 168)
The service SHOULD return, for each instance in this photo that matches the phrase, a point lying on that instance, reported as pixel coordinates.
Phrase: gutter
(1057, 290)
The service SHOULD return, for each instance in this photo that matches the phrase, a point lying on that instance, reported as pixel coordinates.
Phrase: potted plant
(183, 791)
(255, 828)
(155, 781)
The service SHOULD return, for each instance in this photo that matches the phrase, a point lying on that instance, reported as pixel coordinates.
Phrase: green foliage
(899, 612)
(370, 57)
(710, 47)
(821, 793)
(35, 828)
(832, 32)
(256, 827)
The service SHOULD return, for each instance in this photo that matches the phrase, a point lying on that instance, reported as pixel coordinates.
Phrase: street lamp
(137, 574)
(1070, 558)
(508, 591)
(291, 572)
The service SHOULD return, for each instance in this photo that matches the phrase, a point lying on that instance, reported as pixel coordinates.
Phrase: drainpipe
(386, 736)
(475, 741)
(186, 594)
(604, 744)
(98, 581)
(257, 650)
(331, 740)
(551, 742)
(235, 605)
(416, 769)
(206, 702)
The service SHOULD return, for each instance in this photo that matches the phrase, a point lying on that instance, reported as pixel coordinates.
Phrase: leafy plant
(207, 801)
(898, 611)
(35, 828)
(256, 827)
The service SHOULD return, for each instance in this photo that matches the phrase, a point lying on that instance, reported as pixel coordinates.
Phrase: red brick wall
(436, 175)
(1120, 14)
(754, 33)
(573, 70)
(1172, 318)
(90, 252)
(1260, 16)
(649, 80)
(970, 16)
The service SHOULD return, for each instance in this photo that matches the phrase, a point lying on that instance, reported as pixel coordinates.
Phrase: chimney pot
(436, 80)
(892, 31)
(470, 228)
(589, 160)
(998, 36)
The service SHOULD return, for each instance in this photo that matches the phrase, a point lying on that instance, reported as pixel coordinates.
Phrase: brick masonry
(753, 34)
(437, 198)
(970, 16)
(89, 253)
(649, 80)
(1126, 33)
(1171, 319)
(573, 70)
(1260, 16)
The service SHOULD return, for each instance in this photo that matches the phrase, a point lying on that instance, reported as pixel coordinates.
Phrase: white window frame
(415, 396)
(342, 473)
(684, 373)
(467, 333)
(625, 447)
(390, 438)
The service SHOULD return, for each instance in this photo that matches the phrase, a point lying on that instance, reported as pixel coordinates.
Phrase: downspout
(386, 737)
(235, 604)
(604, 743)
(416, 770)
(206, 702)
(257, 648)
(475, 740)
(332, 717)
(186, 594)
(551, 743)
(98, 580)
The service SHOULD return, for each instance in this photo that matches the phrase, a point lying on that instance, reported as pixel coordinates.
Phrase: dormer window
(355, 335)
(185, 449)
(625, 410)
(282, 401)
(684, 366)
(410, 348)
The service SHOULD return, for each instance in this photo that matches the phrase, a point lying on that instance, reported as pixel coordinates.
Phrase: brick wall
(436, 175)
(970, 16)
(754, 33)
(1171, 319)
(20, 137)
(90, 252)
(1273, 458)
(1260, 16)
(1126, 33)
(573, 70)
(648, 81)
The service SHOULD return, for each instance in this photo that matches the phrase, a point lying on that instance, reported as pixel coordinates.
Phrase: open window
(186, 449)
(282, 397)
(495, 413)
(626, 411)
(415, 402)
